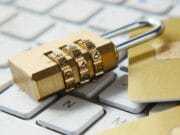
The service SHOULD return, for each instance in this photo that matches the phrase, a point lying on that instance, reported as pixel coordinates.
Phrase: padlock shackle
(158, 27)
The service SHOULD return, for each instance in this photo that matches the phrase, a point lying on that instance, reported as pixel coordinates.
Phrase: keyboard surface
(100, 104)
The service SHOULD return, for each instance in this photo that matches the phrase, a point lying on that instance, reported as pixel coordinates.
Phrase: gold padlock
(74, 60)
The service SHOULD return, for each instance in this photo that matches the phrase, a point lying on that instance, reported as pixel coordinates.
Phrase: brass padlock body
(40, 76)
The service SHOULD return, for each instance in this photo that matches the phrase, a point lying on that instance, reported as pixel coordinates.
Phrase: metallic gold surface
(63, 65)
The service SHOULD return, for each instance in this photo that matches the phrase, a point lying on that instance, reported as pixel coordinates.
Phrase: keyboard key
(154, 6)
(176, 2)
(57, 32)
(111, 18)
(175, 12)
(114, 1)
(26, 26)
(5, 79)
(6, 1)
(116, 95)
(70, 115)
(80, 13)
(10, 125)
(91, 89)
(112, 118)
(6, 14)
(9, 47)
(38, 5)
(162, 107)
(18, 103)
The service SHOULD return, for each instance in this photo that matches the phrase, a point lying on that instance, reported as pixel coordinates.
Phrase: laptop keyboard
(115, 95)
(94, 107)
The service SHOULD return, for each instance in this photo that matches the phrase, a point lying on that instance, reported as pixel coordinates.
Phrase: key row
(31, 28)
(42, 7)
(14, 101)
(112, 88)
(61, 115)
(36, 25)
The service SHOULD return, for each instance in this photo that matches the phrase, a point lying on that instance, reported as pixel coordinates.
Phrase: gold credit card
(154, 66)
(175, 131)
(163, 123)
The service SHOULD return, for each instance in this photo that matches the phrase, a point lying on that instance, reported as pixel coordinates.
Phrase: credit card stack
(154, 67)
(154, 76)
